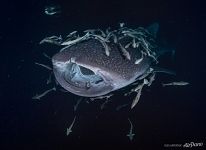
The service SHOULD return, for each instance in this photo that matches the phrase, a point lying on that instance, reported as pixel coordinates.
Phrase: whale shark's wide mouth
(80, 80)
(81, 77)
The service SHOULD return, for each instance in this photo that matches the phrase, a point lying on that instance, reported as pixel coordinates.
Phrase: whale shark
(96, 62)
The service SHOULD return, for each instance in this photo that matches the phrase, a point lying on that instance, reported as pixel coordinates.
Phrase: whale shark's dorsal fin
(153, 29)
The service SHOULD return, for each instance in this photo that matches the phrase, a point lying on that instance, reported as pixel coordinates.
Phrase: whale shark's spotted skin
(98, 63)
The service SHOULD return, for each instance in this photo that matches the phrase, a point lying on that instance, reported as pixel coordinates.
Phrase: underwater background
(163, 116)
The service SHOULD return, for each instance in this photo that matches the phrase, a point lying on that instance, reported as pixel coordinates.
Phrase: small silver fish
(69, 130)
(39, 96)
(77, 104)
(68, 43)
(125, 53)
(127, 46)
(120, 107)
(133, 43)
(103, 42)
(45, 66)
(180, 83)
(130, 134)
(101, 97)
(72, 33)
(94, 32)
(138, 89)
(140, 59)
(122, 24)
(49, 79)
(52, 10)
(52, 39)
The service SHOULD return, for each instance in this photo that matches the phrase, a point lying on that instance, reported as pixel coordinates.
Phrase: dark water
(172, 115)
